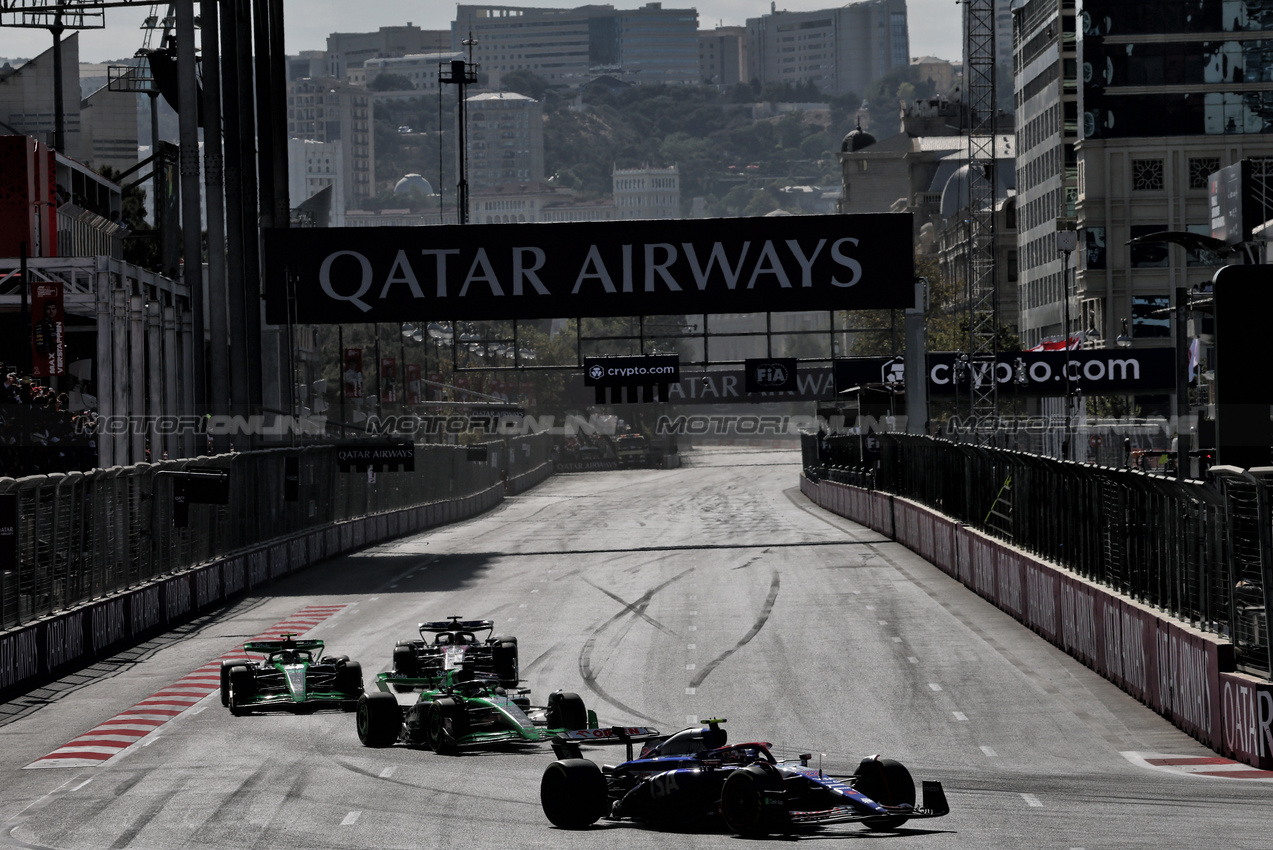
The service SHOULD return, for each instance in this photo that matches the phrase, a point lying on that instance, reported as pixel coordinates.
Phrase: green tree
(391, 82)
(525, 82)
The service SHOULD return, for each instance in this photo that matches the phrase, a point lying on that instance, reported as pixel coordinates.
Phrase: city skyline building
(839, 50)
(505, 140)
(330, 110)
(348, 51)
(570, 47)
(722, 56)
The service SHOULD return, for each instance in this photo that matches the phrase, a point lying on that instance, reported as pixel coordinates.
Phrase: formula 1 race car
(684, 779)
(461, 708)
(293, 674)
(454, 642)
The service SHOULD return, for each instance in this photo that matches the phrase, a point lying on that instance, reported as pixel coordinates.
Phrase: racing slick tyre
(242, 687)
(504, 659)
(404, 661)
(379, 719)
(751, 801)
(446, 722)
(349, 680)
(886, 782)
(225, 680)
(498, 639)
(573, 793)
(566, 711)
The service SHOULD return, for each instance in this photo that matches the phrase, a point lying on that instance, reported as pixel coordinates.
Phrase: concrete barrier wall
(1183, 674)
(42, 651)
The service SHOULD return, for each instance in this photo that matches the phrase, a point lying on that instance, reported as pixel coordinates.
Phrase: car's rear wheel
(404, 661)
(751, 801)
(888, 783)
(446, 722)
(573, 793)
(566, 711)
(242, 687)
(379, 719)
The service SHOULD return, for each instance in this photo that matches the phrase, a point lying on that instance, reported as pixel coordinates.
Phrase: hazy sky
(934, 24)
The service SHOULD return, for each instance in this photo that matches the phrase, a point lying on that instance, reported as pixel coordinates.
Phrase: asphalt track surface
(661, 597)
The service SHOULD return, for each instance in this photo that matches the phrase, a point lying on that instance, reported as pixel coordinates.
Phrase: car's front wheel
(573, 793)
(445, 723)
(379, 719)
(888, 783)
(242, 686)
(566, 711)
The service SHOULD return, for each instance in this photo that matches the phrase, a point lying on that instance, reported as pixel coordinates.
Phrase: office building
(506, 140)
(841, 50)
(329, 110)
(347, 51)
(722, 56)
(1125, 110)
(422, 69)
(570, 47)
(313, 167)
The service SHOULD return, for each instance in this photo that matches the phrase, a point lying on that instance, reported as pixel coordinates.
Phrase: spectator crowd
(39, 432)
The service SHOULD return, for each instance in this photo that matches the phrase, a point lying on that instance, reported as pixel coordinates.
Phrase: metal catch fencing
(1199, 551)
(81, 536)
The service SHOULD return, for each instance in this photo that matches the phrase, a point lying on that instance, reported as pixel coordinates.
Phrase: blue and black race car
(695, 775)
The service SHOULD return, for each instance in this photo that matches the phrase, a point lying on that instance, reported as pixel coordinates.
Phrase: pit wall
(1181, 673)
(52, 647)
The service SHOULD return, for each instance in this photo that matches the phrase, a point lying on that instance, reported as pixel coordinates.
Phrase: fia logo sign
(771, 375)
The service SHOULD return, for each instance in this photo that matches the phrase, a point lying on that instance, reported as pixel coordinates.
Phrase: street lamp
(1124, 340)
(1066, 242)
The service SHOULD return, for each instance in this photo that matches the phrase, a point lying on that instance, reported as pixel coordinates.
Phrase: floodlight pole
(463, 74)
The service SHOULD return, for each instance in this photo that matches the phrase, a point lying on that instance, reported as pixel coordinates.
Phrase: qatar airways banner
(586, 269)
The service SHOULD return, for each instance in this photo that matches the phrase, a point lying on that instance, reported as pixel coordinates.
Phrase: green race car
(293, 674)
(460, 708)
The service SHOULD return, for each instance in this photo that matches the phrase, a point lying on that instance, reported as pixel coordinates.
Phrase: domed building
(413, 185)
(855, 140)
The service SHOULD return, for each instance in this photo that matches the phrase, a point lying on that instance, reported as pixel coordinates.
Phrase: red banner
(413, 383)
(353, 373)
(48, 330)
(388, 380)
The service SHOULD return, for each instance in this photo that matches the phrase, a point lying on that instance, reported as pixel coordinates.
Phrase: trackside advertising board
(587, 269)
(1041, 373)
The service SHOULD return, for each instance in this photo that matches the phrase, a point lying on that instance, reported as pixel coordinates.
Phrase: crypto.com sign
(584, 269)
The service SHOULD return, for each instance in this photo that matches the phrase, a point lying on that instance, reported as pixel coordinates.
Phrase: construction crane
(980, 109)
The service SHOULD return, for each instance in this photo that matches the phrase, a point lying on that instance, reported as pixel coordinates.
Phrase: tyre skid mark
(774, 584)
(637, 609)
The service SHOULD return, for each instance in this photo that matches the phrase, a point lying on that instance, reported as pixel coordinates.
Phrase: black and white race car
(453, 644)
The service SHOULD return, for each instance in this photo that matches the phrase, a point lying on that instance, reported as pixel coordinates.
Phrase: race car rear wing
(566, 745)
(455, 624)
(268, 646)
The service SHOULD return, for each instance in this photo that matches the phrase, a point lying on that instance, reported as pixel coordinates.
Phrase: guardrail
(1159, 584)
(84, 536)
